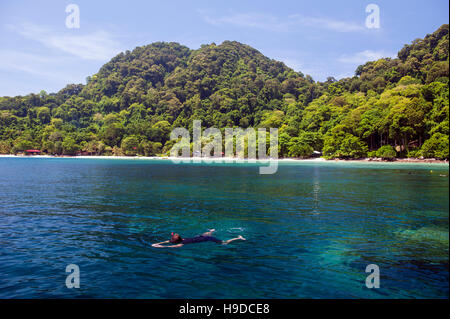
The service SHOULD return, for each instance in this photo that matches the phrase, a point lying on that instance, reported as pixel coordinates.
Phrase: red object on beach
(33, 152)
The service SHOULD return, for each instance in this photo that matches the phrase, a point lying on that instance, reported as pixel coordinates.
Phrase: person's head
(176, 238)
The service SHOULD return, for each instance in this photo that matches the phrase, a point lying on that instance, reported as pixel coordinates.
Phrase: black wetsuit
(200, 239)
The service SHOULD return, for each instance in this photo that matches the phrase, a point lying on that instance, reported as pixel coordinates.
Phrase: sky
(38, 51)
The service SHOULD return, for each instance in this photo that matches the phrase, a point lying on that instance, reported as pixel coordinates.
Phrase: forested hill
(390, 108)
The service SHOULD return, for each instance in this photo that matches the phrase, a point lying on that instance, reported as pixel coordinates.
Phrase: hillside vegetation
(390, 108)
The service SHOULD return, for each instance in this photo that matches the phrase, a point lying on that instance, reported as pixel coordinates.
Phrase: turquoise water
(311, 229)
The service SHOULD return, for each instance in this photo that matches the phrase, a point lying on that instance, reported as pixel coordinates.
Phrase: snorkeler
(177, 241)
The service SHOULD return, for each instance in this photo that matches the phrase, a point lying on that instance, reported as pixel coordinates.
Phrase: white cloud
(248, 20)
(364, 56)
(329, 24)
(99, 45)
(273, 23)
(39, 70)
(11, 60)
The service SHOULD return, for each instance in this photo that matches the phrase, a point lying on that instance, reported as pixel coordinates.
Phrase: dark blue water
(311, 229)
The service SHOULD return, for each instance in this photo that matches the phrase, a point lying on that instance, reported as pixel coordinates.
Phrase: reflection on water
(316, 190)
(312, 228)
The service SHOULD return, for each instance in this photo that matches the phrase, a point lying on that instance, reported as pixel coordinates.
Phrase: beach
(238, 160)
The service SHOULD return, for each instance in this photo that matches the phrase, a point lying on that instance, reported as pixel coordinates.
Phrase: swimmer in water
(177, 241)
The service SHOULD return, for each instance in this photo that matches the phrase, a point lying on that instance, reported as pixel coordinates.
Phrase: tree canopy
(389, 108)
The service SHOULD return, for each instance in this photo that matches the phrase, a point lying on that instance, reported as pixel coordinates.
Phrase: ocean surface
(311, 229)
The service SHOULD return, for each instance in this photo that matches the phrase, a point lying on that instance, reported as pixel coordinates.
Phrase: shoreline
(233, 159)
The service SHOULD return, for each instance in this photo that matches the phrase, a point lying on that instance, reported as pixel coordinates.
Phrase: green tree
(21, 144)
(112, 134)
(299, 148)
(344, 145)
(130, 145)
(69, 146)
(436, 146)
(43, 114)
(386, 152)
(5, 147)
(162, 130)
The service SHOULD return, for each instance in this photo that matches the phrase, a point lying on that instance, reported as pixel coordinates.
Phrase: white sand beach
(234, 159)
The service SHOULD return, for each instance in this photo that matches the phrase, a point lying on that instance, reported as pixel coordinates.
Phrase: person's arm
(163, 242)
(158, 245)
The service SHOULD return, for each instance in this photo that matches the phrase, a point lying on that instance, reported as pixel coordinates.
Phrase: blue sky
(320, 38)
